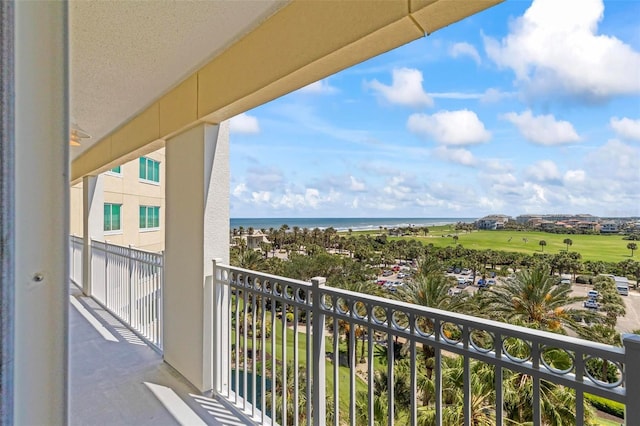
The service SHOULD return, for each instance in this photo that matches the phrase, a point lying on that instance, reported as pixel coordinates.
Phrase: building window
(149, 170)
(149, 217)
(117, 171)
(112, 217)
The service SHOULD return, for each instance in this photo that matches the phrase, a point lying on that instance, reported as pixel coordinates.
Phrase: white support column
(42, 213)
(197, 231)
(92, 224)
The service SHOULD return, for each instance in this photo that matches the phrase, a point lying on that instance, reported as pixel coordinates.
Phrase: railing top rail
(548, 338)
(137, 254)
(266, 276)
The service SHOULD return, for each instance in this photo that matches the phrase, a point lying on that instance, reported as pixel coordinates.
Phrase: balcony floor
(116, 379)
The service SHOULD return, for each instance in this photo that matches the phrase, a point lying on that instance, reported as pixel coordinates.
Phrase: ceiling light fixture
(77, 134)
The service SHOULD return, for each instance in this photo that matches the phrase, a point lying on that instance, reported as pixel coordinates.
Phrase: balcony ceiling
(142, 72)
(124, 54)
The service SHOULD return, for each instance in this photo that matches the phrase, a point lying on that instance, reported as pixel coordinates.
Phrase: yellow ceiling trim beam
(302, 43)
(435, 14)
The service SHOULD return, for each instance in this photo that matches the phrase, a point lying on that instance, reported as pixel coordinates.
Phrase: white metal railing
(277, 360)
(128, 282)
(76, 247)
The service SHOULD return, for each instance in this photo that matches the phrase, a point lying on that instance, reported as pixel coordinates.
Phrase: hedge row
(608, 406)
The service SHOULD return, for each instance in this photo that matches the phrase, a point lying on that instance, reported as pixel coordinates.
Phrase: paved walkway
(116, 379)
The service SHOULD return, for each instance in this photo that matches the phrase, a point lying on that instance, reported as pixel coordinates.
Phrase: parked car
(481, 282)
(591, 304)
(462, 283)
(593, 295)
(491, 282)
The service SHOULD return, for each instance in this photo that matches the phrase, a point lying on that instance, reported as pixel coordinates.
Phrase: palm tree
(542, 244)
(247, 259)
(430, 288)
(532, 299)
(568, 242)
(632, 247)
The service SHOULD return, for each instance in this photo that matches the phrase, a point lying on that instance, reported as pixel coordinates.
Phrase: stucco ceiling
(125, 54)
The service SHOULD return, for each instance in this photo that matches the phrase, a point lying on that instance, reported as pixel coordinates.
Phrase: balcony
(444, 368)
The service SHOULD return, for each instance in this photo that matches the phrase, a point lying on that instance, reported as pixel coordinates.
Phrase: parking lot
(630, 321)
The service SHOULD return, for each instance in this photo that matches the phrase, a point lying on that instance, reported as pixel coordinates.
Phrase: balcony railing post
(318, 391)
(220, 328)
(631, 344)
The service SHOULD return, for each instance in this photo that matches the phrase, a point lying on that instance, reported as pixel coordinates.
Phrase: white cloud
(260, 197)
(465, 49)
(239, 190)
(544, 171)
(574, 177)
(626, 128)
(543, 129)
(492, 95)
(405, 89)
(615, 161)
(244, 123)
(554, 49)
(320, 87)
(456, 155)
(356, 185)
(461, 127)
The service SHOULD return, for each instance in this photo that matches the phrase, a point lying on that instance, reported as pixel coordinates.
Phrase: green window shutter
(156, 217)
(107, 217)
(143, 217)
(157, 171)
(115, 217)
(143, 168)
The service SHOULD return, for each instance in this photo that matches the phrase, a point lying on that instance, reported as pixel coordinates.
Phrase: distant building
(609, 227)
(493, 222)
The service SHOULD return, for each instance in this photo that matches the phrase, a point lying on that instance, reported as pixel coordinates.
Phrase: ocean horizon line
(344, 223)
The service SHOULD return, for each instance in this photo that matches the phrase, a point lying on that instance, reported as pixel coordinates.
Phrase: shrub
(289, 317)
(608, 406)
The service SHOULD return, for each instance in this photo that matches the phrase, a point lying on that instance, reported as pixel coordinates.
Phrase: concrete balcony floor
(116, 379)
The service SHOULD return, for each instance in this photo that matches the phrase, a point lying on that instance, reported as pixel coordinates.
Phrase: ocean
(344, 223)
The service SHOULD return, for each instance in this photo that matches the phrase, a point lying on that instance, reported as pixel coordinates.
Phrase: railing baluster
(319, 354)
(285, 367)
(237, 344)
(412, 371)
(336, 368)
(263, 357)
(296, 363)
(438, 371)
(254, 370)
(370, 374)
(466, 373)
(309, 364)
(535, 361)
(274, 375)
(390, 376)
(245, 339)
(352, 372)
(497, 347)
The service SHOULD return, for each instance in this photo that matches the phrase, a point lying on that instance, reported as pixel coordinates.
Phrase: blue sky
(528, 107)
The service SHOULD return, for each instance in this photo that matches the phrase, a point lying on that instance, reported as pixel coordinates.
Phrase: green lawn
(608, 248)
